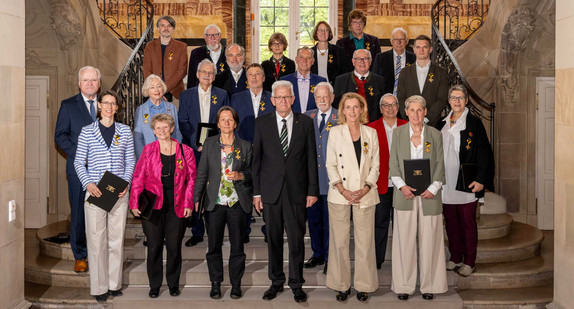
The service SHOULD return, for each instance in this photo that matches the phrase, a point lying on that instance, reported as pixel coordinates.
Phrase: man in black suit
(357, 39)
(368, 84)
(285, 183)
(390, 63)
(212, 50)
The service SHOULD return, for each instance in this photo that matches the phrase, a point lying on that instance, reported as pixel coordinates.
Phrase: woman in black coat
(329, 58)
(469, 170)
(278, 65)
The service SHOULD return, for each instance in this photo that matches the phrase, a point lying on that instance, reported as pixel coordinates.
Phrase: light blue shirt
(143, 133)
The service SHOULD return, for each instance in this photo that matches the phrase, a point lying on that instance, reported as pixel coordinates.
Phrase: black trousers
(164, 227)
(289, 217)
(383, 214)
(215, 221)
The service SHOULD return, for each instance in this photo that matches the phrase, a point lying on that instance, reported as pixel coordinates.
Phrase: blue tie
(397, 73)
(322, 125)
(92, 110)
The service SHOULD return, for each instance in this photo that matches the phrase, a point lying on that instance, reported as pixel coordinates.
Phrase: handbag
(146, 201)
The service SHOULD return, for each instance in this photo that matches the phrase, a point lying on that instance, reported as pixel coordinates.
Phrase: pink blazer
(148, 175)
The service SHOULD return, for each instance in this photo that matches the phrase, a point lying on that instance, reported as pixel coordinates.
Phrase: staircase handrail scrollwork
(129, 82)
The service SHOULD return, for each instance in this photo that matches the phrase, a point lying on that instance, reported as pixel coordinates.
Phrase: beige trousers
(339, 269)
(105, 240)
(431, 251)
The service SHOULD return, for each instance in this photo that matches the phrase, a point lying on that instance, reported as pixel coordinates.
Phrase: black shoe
(428, 296)
(194, 240)
(174, 291)
(215, 292)
(299, 295)
(115, 293)
(362, 296)
(342, 295)
(313, 261)
(403, 296)
(271, 293)
(252, 219)
(265, 238)
(246, 239)
(379, 265)
(101, 298)
(153, 293)
(236, 292)
(325, 268)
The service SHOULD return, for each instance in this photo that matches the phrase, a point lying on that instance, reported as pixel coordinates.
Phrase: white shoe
(450, 265)
(465, 270)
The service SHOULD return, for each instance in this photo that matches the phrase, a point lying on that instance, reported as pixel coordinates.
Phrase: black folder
(146, 201)
(468, 175)
(205, 130)
(111, 186)
(417, 174)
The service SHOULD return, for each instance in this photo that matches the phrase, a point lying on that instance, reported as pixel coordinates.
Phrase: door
(37, 152)
(296, 19)
(545, 152)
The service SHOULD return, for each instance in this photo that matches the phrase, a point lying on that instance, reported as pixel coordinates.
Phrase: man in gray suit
(324, 117)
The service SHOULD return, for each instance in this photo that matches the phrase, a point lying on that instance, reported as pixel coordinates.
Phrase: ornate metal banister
(459, 22)
(126, 19)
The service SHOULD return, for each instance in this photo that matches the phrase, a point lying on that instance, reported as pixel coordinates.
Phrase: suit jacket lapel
(405, 151)
(98, 134)
(427, 78)
(427, 143)
(83, 108)
(363, 147)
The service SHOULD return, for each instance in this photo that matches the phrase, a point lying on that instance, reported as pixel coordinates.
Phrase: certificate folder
(146, 201)
(111, 186)
(468, 175)
(205, 130)
(417, 174)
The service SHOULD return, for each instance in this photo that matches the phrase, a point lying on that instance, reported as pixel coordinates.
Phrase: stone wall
(564, 161)
(12, 87)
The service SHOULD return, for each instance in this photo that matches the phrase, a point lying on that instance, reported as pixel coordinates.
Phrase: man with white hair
(234, 78)
(212, 50)
(390, 63)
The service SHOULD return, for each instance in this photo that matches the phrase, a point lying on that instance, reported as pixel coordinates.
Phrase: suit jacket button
(342, 166)
(340, 155)
(319, 156)
(319, 146)
(344, 178)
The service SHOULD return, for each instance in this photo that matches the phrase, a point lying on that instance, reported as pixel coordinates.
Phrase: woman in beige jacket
(353, 169)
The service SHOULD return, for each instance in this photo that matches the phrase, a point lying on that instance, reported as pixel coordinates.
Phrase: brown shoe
(81, 266)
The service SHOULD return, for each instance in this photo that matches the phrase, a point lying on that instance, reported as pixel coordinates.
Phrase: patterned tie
(322, 125)
(397, 72)
(92, 110)
(283, 137)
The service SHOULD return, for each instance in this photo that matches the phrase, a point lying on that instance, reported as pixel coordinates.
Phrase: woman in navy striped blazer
(105, 145)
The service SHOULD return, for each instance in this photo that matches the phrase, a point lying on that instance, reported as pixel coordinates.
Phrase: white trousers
(431, 251)
(105, 240)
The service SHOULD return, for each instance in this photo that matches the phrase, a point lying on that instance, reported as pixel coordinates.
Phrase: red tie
(277, 69)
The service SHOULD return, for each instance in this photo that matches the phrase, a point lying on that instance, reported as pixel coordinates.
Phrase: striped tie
(283, 137)
(397, 72)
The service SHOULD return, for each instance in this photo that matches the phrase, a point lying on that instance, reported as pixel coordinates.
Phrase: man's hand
(427, 194)
(408, 192)
(187, 212)
(476, 187)
(258, 204)
(311, 200)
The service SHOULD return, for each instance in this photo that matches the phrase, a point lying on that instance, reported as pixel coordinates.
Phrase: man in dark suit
(390, 63)
(304, 82)
(357, 39)
(199, 105)
(361, 81)
(284, 185)
(324, 118)
(167, 58)
(426, 79)
(75, 113)
(233, 79)
(212, 50)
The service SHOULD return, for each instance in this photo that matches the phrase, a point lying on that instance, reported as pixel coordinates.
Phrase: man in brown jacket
(167, 58)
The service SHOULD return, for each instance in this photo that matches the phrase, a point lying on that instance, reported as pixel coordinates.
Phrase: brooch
(214, 99)
(312, 89)
(117, 139)
(470, 134)
(427, 147)
(329, 125)
(261, 106)
(366, 147)
(170, 56)
(334, 117)
(282, 68)
(179, 163)
(371, 91)
(246, 85)
(468, 141)
(431, 75)
(146, 116)
(221, 67)
(237, 156)
(313, 115)
(368, 46)
(330, 58)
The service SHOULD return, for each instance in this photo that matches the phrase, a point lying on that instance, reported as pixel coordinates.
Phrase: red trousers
(462, 232)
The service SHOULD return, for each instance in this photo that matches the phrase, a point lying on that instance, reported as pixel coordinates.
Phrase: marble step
(518, 298)
(523, 242)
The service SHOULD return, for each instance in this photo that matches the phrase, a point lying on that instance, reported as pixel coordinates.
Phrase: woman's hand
(187, 212)
(358, 195)
(136, 212)
(407, 192)
(197, 208)
(94, 190)
(123, 193)
(427, 194)
(476, 187)
(348, 195)
(234, 175)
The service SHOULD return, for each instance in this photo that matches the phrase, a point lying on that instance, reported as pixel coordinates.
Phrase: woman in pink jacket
(167, 169)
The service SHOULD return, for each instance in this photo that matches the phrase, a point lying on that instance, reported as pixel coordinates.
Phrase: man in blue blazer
(304, 82)
(233, 79)
(75, 113)
(324, 118)
(199, 105)
(252, 103)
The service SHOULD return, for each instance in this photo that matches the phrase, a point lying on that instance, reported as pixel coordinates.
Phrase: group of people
(312, 142)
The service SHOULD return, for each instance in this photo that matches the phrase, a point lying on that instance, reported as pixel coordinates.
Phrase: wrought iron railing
(132, 22)
(453, 23)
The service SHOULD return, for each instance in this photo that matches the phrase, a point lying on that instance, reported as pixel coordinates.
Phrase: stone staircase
(514, 268)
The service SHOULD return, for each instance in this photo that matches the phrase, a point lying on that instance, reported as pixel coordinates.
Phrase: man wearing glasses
(357, 39)
(385, 125)
(361, 81)
(390, 63)
(212, 50)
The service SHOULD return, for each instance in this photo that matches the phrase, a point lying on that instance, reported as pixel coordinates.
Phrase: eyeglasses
(389, 105)
(206, 72)
(212, 36)
(457, 98)
(108, 103)
(362, 59)
(283, 98)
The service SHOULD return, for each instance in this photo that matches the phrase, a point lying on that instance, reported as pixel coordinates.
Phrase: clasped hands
(407, 192)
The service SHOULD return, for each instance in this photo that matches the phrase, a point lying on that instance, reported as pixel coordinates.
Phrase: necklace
(170, 159)
(322, 51)
(451, 120)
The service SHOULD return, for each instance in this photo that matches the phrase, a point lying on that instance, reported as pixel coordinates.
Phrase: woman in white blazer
(353, 169)
(105, 145)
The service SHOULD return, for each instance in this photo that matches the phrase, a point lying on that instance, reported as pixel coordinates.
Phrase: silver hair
(358, 50)
(416, 99)
(306, 48)
(148, 81)
(386, 95)
(240, 48)
(460, 88)
(210, 26)
(325, 84)
(89, 68)
(282, 83)
(207, 61)
(399, 29)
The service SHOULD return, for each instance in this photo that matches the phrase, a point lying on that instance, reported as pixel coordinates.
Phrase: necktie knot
(92, 110)
(322, 125)
(301, 79)
(362, 78)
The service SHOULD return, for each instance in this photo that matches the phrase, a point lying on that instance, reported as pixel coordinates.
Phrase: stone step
(493, 226)
(523, 242)
(530, 297)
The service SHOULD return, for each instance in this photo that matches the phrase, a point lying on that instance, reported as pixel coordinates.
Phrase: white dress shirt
(359, 75)
(88, 104)
(237, 75)
(389, 133)
(204, 101)
(417, 153)
(451, 147)
(255, 100)
(422, 73)
(322, 62)
(214, 55)
(289, 119)
(319, 116)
